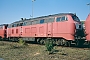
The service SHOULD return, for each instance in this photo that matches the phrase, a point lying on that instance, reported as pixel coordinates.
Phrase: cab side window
(63, 18)
(58, 19)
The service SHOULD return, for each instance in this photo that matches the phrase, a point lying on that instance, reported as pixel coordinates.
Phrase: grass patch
(22, 42)
(16, 51)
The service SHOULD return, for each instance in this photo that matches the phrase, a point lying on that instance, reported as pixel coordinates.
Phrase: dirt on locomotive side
(15, 51)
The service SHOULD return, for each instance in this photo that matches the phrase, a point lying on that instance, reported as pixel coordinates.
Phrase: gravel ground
(15, 51)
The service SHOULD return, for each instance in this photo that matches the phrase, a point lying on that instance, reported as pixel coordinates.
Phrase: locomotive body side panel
(26, 31)
(33, 30)
(87, 28)
(49, 29)
(42, 30)
(3, 31)
(15, 31)
(8, 32)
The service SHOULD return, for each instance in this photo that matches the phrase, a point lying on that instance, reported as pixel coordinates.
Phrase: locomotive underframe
(57, 41)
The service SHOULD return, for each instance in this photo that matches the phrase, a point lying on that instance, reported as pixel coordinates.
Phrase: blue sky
(13, 10)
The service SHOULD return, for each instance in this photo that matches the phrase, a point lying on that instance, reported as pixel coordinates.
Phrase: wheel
(38, 41)
(58, 42)
(61, 42)
(67, 43)
(64, 42)
(42, 42)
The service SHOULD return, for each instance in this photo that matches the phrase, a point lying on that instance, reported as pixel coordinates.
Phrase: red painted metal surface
(42, 30)
(87, 27)
(64, 29)
(39, 30)
(8, 32)
(26, 31)
(14, 32)
(2, 31)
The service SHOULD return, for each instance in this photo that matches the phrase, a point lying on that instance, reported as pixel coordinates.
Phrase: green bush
(49, 46)
(21, 41)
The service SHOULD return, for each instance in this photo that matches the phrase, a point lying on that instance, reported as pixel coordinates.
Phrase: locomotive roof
(59, 14)
(3, 24)
(56, 15)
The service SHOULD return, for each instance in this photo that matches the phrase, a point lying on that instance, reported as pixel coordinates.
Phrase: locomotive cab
(79, 30)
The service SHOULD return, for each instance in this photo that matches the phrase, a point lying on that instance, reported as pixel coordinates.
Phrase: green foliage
(21, 41)
(49, 45)
(83, 22)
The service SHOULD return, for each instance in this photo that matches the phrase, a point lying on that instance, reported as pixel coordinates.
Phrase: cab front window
(75, 18)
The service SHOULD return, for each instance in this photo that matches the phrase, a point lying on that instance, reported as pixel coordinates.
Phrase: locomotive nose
(79, 29)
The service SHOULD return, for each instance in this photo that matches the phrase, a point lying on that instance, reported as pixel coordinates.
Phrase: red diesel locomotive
(3, 31)
(87, 29)
(64, 29)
